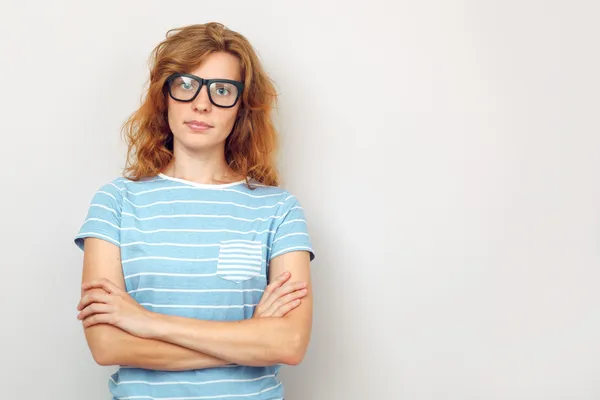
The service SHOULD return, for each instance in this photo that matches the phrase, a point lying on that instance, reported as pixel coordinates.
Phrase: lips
(198, 126)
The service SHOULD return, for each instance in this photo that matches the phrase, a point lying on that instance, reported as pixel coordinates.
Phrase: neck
(208, 167)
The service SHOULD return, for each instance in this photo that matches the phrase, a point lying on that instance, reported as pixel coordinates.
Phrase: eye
(223, 89)
(185, 83)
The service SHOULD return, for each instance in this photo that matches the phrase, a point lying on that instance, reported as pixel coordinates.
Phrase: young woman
(196, 274)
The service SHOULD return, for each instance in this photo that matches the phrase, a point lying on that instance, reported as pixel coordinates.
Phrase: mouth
(198, 126)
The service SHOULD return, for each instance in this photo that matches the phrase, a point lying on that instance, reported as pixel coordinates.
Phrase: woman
(196, 264)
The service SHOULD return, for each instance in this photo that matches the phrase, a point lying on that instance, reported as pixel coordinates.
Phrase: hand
(279, 299)
(113, 306)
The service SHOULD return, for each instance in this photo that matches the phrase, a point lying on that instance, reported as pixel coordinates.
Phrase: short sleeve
(103, 218)
(292, 231)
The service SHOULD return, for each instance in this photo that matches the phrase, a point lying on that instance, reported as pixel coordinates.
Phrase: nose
(202, 102)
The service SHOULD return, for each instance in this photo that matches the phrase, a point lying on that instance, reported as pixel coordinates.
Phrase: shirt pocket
(240, 260)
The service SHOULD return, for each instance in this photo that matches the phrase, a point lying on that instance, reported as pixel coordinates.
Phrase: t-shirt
(197, 251)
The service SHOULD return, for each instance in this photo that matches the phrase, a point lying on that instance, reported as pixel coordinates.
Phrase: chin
(197, 142)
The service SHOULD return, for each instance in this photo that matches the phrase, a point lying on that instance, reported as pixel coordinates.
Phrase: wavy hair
(250, 149)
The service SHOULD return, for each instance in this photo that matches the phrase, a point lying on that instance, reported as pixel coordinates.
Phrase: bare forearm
(112, 346)
(254, 342)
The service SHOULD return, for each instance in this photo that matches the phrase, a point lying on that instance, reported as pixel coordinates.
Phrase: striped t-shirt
(198, 251)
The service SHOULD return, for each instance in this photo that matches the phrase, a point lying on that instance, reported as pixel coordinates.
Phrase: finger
(93, 297)
(284, 300)
(289, 288)
(96, 319)
(94, 308)
(102, 284)
(267, 298)
(280, 280)
(283, 310)
(282, 291)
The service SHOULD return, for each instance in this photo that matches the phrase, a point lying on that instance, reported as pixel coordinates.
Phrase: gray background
(446, 153)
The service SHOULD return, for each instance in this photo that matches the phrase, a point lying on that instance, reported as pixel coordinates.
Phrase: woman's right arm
(112, 346)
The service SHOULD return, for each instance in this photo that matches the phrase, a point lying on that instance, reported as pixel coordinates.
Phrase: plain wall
(445, 152)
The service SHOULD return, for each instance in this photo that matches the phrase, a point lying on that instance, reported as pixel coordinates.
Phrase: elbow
(294, 359)
(295, 350)
(102, 356)
(102, 348)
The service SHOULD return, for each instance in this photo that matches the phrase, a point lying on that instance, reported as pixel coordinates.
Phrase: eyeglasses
(221, 92)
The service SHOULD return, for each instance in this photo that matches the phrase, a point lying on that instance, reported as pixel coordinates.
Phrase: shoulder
(116, 189)
(274, 195)
(259, 188)
(114, 186)
(120, 185)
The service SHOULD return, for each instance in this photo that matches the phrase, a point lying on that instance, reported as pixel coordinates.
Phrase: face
(184, 117)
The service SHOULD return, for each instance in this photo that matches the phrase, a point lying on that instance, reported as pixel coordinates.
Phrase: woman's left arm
(258, 341)
(253, 342)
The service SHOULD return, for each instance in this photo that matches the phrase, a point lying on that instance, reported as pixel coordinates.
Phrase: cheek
(173, 114)
(227, 118)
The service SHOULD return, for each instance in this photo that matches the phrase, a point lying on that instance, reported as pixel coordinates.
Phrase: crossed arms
(121, 332)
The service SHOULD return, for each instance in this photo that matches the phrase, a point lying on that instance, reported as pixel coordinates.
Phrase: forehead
(219, 65)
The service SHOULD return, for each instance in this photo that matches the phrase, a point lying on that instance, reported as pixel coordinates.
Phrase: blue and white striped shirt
(197, 251)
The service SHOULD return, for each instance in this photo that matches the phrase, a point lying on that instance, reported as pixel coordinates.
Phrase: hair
(250, 149)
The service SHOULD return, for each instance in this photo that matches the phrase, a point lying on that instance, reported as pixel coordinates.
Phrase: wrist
(157, 325)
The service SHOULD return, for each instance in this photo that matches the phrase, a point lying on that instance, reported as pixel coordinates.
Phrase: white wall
(446, 153)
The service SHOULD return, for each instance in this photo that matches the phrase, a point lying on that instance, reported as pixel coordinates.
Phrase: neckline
(201, 185)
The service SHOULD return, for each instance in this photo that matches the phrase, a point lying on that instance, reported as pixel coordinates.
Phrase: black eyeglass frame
(239, 85)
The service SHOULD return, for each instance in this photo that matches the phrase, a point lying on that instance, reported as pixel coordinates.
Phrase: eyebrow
(228, 79)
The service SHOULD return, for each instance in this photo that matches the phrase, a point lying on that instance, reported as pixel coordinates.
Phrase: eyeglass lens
(223, 94)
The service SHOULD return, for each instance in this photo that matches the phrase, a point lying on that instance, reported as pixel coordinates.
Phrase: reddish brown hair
(251, 147)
